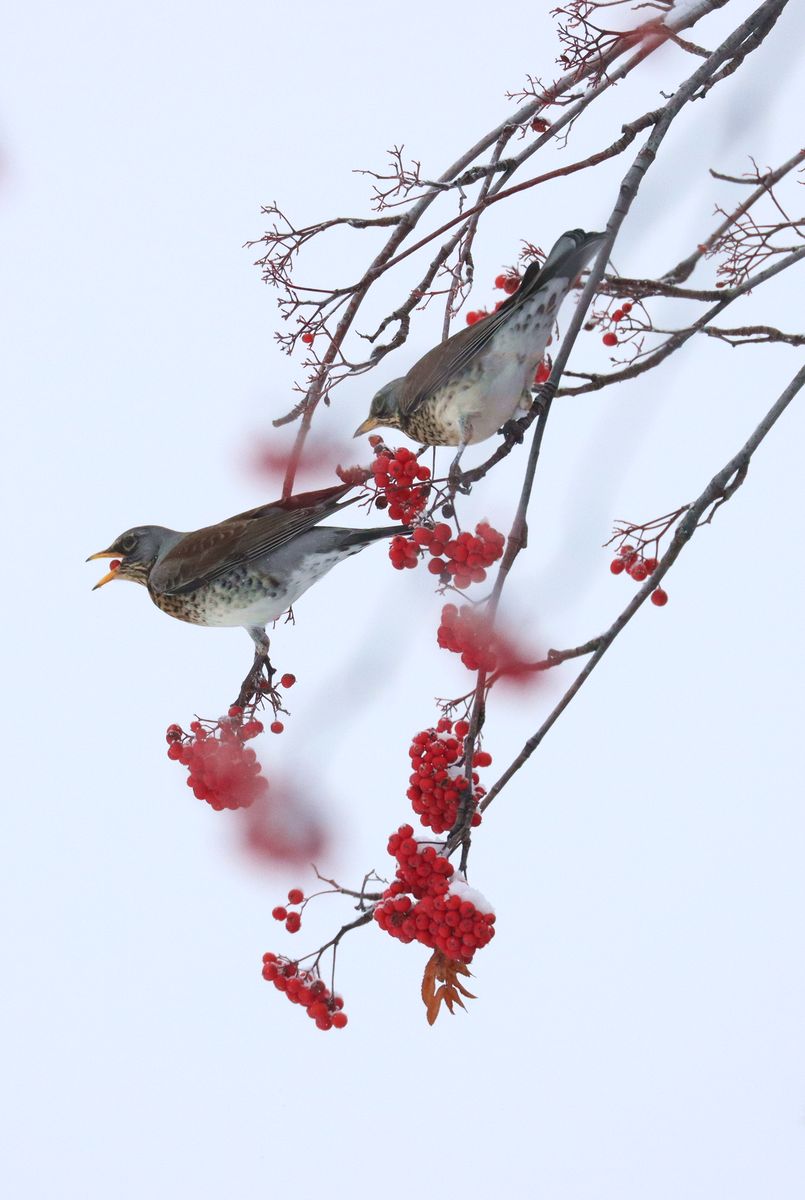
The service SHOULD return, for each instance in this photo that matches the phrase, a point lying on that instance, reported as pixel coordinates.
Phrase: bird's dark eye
(128, 543)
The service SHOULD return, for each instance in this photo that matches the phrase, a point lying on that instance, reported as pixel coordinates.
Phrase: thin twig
(720, 488)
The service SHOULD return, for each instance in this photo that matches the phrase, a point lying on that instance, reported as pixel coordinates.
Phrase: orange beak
(110, 574)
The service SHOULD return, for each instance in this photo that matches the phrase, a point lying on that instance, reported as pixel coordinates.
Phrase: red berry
(307, 338)
(626, 308)
(617, 315)
(617, 565)
(511, 285)
(235, 710)
(279, 913)
(659, 597)
(276, 727)
(339, 1020)
(293, 922)
(650, 564)
(610, 339)
(114, 564)
(288, 681)
(296, 896)
(500, 281)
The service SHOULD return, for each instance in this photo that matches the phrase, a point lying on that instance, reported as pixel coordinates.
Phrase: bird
(468, 387)
(245, 571)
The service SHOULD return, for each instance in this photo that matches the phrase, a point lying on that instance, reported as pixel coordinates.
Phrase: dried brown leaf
(444, 971)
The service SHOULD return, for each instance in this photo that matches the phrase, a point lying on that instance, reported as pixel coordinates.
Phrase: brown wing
(206, 554)
(324, 496)
(434, 369)
(444, 361)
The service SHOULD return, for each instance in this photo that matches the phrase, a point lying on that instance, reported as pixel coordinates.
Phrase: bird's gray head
(384, 409)
(136, 551)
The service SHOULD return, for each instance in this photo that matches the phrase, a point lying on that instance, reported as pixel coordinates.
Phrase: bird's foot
(456, 482)
(514, 431)
(257, 686)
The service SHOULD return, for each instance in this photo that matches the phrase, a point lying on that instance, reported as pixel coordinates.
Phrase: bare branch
(754, 335)
(763, 18)
(683, 269)
(720, 488)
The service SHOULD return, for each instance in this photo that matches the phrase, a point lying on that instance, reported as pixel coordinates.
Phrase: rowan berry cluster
(401, 482)
(476, 315)
(508, 282)
(436, 783)
(426, 903)
(293, 920)
(467, 632)
(611, 338)
(630, 561)
(421, 870)
(305, 988)
(460, 560)
(221, 769)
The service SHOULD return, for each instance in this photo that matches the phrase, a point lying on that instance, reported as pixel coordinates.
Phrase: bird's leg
(454, 474)
(258, 680)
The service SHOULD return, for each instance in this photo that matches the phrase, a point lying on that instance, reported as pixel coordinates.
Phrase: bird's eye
(128, 543)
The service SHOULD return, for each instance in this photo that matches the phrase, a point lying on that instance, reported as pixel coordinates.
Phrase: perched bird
(466, 388)
(247, 570)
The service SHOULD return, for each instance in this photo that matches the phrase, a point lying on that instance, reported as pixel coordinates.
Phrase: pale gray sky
(638, 1027)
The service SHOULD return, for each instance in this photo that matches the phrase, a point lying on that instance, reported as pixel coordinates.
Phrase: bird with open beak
(247, 570)
(468, 387)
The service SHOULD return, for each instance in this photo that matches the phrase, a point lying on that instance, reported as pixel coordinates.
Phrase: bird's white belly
(508, 363)
(261, 608)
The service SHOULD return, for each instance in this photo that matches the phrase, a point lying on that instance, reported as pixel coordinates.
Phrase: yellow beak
(110, 574)
(367, 426)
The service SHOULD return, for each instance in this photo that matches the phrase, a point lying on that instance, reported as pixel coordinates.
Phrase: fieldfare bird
(247, 570)
(466, 388)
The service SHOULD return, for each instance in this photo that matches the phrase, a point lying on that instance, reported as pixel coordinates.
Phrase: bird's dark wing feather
(206, 554)
(324, 496)
(440, 364)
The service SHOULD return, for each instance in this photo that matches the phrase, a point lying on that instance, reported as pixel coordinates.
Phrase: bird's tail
(361, 537)
(569, 255)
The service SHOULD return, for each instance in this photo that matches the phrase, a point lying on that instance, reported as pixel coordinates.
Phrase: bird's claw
(257, 682)
(456, 483)
(514, 431)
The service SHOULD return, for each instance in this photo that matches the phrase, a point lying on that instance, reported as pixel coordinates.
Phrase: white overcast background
(638, 1027)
